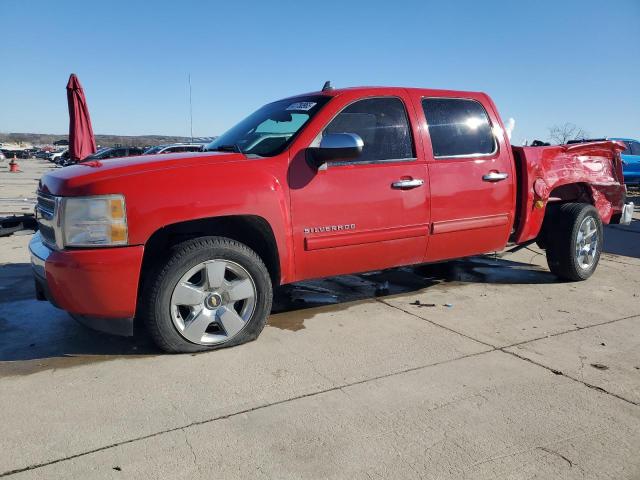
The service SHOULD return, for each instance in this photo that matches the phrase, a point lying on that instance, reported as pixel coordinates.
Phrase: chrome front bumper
(39, 253)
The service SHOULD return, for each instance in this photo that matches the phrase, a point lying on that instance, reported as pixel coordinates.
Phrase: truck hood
(69, 179)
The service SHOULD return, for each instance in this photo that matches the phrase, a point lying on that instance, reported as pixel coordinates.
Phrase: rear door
(471, 174)
(368, 213)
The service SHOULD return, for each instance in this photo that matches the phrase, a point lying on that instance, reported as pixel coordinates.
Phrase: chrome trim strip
(351, 238)
(473, 155)
(407, 184)
(495, 177)
(51, 219)
(370, 162)
(473, 223)
(39, 254)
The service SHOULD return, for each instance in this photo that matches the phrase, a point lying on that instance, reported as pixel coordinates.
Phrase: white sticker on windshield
(301, 106)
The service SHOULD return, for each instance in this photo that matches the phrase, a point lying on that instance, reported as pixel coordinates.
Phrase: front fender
(164, 197)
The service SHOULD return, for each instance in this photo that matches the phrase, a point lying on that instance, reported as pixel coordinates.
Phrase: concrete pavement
(520, 377)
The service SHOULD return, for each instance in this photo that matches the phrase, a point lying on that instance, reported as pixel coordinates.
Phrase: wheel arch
(603, 198)
(575, 192)
(578, 192)
(252, 230)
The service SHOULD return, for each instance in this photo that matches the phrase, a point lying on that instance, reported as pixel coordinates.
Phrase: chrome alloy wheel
(587, 243)
(213, 302)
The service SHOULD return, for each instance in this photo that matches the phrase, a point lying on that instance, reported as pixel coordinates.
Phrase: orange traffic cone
(13, 165)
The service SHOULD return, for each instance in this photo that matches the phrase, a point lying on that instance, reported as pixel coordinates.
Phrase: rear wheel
(573, 241)
(212, 292)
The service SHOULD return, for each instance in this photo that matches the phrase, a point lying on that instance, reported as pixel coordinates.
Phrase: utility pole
(190, 108)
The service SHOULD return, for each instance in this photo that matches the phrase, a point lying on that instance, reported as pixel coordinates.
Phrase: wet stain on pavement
(48, 339)
(292, 321)
(487, 269)
(291, 303)
(29, 367)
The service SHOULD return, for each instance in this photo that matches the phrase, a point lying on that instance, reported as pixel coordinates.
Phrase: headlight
(94, 221)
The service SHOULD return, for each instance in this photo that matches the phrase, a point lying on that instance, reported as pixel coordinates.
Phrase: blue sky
(544, 62)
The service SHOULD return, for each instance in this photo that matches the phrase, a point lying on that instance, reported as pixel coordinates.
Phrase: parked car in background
(22, 154)
(114, 152)
(2, 157)
(174, 148)
(630, 160)
(56, 156)
(64, 159)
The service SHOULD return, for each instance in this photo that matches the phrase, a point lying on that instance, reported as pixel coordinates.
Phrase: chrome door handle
(495, 177)
(407, 184)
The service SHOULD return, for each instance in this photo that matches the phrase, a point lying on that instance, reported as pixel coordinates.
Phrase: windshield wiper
(228, 148)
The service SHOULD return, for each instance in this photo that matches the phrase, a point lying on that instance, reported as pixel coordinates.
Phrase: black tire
(156, 306)
(560, 238)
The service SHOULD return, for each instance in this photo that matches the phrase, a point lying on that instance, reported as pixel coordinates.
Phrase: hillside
(102, 140)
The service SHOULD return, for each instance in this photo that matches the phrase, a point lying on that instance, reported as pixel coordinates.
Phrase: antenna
(327, 86)
(190, 109)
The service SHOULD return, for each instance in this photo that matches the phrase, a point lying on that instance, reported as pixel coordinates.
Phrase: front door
(367, 213)
(471, 171)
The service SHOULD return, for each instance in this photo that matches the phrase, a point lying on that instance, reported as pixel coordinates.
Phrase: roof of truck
(432, 91)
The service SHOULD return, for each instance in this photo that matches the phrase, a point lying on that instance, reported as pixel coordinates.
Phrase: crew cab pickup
(315, 185)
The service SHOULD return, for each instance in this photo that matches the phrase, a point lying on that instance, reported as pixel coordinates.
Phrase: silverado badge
(330, 228)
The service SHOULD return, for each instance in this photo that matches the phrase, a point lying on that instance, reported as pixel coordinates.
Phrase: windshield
(100, 154)
(269, 130)
(155, 149)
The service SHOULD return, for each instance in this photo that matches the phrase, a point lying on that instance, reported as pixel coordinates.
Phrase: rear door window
(635, 148)
(458, 127)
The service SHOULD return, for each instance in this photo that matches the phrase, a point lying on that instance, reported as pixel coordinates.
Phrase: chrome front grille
(46, 214)
(46, 203)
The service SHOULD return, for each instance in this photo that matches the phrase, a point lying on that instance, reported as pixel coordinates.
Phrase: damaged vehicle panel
(321, 184)
(587, 173)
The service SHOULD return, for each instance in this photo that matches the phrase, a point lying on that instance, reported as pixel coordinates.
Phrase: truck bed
(590, 172)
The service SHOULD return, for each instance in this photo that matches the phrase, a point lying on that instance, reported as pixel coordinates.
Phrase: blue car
(630, 160)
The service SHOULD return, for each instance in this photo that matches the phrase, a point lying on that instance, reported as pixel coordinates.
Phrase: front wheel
(212, 292)
(574, 241)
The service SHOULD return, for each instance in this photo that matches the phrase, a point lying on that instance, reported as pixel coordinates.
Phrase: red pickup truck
(320, 184)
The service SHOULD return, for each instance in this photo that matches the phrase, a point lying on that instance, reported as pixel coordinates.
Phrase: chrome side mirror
(335, 147)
